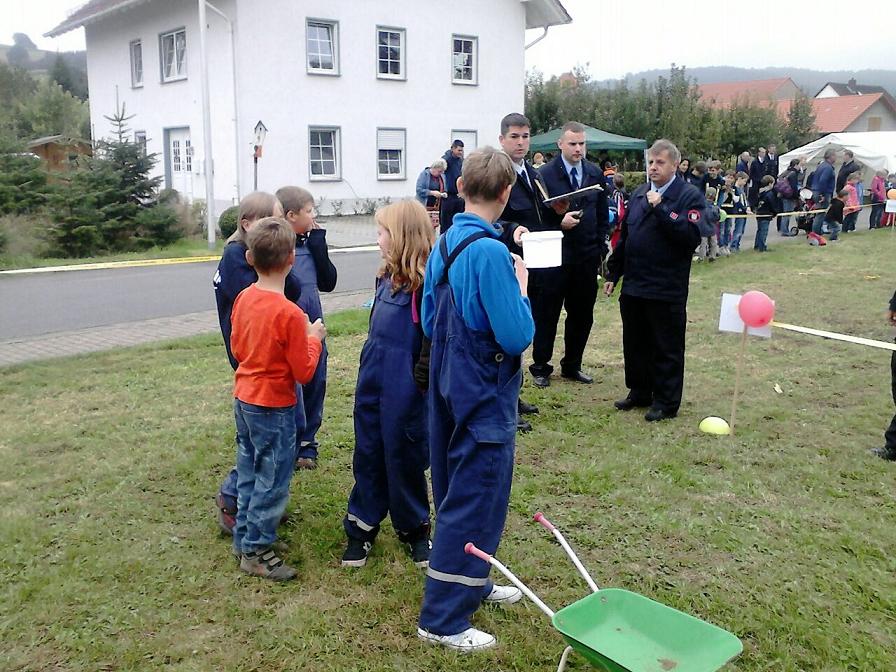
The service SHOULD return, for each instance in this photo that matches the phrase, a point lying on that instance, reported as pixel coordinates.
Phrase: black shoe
(523, 426)
(526, 408)
(541, 381)
(885, 453)
(628, 404)
(578, 376)
(420, 552)
(356, 553)
(657, 414)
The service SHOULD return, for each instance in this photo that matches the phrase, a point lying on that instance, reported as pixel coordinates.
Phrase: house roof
(723, 94)
(539, 14)
(834, 115)
(852, 89)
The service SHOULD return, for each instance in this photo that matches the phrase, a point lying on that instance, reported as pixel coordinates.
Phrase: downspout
(207, 131)
(539, 38)
(236, 105)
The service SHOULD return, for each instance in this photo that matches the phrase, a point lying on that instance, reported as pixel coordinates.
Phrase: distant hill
(39, 61)
(810, 81)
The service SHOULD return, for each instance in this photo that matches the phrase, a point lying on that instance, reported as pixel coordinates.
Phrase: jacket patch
(693, 216)
(673, 216)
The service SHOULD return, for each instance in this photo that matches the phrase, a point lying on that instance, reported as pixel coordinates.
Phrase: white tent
(876, 150)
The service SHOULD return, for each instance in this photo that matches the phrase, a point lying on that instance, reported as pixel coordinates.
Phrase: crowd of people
(440, 373)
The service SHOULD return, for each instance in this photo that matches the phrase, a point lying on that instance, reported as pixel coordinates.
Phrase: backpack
(783, 186)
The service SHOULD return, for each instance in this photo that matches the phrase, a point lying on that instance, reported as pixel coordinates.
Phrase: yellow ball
(714, 425)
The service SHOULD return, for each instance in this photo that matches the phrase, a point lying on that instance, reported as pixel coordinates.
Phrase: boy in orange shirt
(275, 348)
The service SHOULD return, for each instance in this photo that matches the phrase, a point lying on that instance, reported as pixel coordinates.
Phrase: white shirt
(661, 190)
(569, 166)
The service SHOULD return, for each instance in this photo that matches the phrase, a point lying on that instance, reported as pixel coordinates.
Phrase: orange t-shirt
(271, 343)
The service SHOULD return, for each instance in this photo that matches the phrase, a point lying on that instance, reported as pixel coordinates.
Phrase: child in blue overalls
(477, 315)
(233, 275)
(316, 273)
(391, 448)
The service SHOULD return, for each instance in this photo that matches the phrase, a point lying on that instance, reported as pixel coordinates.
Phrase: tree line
(670, 108)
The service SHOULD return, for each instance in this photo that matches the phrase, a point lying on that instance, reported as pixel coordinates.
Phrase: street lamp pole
(260, 132)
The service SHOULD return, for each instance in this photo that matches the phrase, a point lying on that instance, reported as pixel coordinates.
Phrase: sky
(612, 38)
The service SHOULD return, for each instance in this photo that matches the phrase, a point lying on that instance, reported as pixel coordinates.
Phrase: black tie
(574, 178)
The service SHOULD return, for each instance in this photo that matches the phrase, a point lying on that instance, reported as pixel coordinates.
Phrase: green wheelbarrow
(620, 631)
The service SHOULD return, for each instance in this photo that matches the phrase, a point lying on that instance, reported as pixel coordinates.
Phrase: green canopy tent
(596, 139)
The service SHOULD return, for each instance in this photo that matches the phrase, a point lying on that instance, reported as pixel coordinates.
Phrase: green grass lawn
(784, 534)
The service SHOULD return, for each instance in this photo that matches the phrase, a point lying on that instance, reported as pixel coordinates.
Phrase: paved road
(45, 303)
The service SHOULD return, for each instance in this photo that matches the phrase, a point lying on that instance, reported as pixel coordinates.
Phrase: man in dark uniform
(888, 452)
(525, 211)
(574, 284)
(659, 233)
(453, 204)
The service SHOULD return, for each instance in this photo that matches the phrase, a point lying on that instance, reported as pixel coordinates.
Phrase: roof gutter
(67, 25)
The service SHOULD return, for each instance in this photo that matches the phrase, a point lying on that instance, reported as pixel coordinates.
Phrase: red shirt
(271, 343)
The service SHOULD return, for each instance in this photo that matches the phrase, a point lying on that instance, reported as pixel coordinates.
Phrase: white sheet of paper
(729, 318)
(890, 206)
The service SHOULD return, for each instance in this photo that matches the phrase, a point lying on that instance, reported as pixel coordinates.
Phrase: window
(390, 143)
(469, 138)
(140, 140)
(390, 53)
(173, 52)
(323, 153)
(873, 123)
(463, 60)
(136, 63)
(188, 156)
(322, 40)
(176, 156)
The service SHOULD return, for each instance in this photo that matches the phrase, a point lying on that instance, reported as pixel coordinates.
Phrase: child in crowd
(276, 348)
(726, 200)
(697, 176)
(740, 207)
(391, 450)
(767, 207)
(833, 218)
(619, 203)
(878, 198)
(714, 179)
(234, 274)
(851, 211)
(709, 228)
(477, 314)
(315, 273)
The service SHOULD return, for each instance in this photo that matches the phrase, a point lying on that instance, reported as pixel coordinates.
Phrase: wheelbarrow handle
(558, 535)
(471, 549)
(542, 520)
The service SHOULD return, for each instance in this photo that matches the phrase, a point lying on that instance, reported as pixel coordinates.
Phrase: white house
(358, 96)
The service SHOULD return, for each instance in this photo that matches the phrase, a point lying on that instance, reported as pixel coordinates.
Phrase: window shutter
(390, 139)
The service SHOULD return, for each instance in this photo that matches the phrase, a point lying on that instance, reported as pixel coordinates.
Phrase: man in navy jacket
(823, 182)
(660, 230)
(453, 204)
(585, 229)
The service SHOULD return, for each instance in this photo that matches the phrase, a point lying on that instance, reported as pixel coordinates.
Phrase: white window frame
(135, 48)
(333, 26)
(402, 52)
(177, 73)
(140, 139)
(336, 176)
(456, 134)
(474, 58)
(391, 144)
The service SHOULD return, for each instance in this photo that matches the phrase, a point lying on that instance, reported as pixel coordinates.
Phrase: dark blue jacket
(526, 208)
(587, 241)
(823, 180)
(234, 274)
(656, 245)
(452, 172)
(758, 170)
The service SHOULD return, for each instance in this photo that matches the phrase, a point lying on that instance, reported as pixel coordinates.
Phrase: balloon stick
(740, 366)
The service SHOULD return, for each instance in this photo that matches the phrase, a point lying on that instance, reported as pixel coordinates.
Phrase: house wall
(827, 92)
(274, 87)
(879, 109)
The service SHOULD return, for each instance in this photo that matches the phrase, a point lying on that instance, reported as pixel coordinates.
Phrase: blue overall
(310, 409)
(391, 452)
(472, 400)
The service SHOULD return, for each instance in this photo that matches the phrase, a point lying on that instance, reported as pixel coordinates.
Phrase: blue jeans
(784, 222)
(725, 232)
(833, 227)
(761, 234)
(740, 224)
(266, 449)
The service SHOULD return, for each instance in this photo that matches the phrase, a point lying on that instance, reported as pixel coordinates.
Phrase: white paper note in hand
(729, 318)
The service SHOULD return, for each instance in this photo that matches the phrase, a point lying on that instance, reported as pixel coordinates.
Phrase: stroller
(620, 631)
(804, 221)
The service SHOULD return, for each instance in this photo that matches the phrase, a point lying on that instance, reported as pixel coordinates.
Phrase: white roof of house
(539, 14)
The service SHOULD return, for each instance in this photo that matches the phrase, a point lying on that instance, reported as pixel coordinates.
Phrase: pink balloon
(756, 309)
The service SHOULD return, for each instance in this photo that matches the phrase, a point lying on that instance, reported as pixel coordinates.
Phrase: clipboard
(573, 194)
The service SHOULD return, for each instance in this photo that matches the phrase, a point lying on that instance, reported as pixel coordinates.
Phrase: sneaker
(266, 564)
(356, 553)
(226, 514)
(885, 453)
(420, 552)
(309, 463)
(504, 595)
(467, 641)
